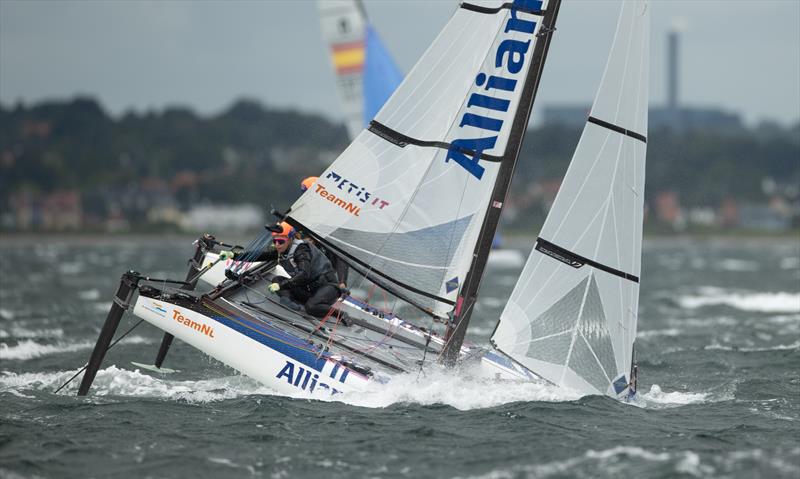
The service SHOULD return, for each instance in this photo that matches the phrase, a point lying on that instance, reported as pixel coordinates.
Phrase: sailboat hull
(291, 364)
(267, 354)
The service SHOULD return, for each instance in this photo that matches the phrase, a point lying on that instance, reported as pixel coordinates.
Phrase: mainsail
(572, 315)
(407, 202)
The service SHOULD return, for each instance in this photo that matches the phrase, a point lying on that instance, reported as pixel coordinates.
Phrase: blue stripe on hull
(277, 340)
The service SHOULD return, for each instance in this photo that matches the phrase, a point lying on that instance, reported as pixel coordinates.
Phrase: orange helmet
(308, 182)
(286, 231)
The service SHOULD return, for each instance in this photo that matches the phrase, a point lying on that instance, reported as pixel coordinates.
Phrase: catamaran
(412, 205)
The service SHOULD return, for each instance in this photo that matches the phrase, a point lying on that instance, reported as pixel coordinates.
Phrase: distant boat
(413, 204)
(366, 76)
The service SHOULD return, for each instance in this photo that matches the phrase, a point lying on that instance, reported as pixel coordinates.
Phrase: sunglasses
(280, 240)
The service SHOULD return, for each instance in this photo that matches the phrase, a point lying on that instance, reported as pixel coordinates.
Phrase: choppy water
(718, 348)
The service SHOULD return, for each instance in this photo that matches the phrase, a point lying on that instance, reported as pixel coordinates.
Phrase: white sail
(406, 200)
(344, 28)
(572, 315)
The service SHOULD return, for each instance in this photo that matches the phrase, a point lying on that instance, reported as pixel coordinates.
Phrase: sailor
(338, 264)
(313, 282)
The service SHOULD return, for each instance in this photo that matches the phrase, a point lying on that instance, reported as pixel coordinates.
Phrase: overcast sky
(742, 56)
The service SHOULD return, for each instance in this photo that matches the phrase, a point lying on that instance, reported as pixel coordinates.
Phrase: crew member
(313, 283)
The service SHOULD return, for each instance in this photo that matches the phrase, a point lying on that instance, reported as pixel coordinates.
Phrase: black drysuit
(313, 282)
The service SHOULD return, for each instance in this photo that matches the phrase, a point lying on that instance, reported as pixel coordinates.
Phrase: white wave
(782, 302)
(20, 333)
(751, 349)
(791, 262)
(136, 340)
(785, 319)
(72, 268)
(685, 462)
(438, 386)
(652, 333)
(122, 382)
(658, 398)
(6, 314)
(114, 381)
(101, 307)
(490, 302)
(30, 349)
(13, 382)
(731, 264)
(703, 322)
(89, 295)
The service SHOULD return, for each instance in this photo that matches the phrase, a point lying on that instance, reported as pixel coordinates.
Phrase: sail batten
(399, 139)
(571, 317)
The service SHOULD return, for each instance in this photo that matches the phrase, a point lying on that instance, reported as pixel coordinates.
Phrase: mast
(468, 295)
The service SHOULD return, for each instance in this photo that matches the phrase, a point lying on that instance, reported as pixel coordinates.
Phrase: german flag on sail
(348, 57)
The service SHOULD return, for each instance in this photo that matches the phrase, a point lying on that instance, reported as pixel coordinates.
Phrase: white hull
(290, 371)
(282, 361)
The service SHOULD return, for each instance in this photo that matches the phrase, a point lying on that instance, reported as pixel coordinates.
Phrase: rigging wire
(107, 349)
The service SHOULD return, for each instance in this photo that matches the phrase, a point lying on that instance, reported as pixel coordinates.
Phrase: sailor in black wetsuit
(313, 282)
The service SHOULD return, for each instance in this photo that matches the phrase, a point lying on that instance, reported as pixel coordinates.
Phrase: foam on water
(438, 386)
(780, 302)
(19, 332)
(610, 461)
(30, 349)
(791, 262)
(659, 399)
(753, 349)
(621, 460)
(89, 295)
(731, 264)
(114, 381)
(652, 333)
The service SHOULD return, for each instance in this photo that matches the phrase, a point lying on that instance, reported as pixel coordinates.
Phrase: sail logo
(510, 55)
(189, 323)
(451, 285)
(352, 197)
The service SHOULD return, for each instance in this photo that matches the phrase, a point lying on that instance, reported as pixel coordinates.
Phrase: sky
(740, 56)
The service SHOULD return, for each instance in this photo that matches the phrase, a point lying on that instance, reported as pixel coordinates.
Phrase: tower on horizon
(672, 70)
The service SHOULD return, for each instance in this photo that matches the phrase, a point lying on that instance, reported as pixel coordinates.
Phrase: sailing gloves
(274, 287)
(225, 255)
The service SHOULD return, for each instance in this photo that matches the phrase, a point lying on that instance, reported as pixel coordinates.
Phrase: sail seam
(398, 139)
(576, 261)
(617, 129)
(507, 6)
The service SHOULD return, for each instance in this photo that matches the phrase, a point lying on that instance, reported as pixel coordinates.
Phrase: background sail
(366, 75)
(344, 28)
(381, 75)
(572, 315)
(408, 211)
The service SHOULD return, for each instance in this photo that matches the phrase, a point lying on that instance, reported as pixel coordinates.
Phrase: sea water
(718, 348)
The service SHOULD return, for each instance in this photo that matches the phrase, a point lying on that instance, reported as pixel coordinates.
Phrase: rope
(107, 349)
